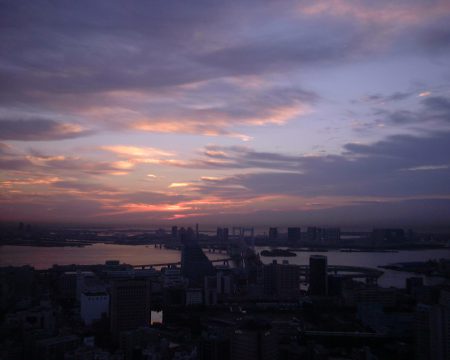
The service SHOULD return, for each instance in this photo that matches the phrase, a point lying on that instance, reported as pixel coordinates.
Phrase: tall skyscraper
(195, 265)
(130, 305)
(318, 277)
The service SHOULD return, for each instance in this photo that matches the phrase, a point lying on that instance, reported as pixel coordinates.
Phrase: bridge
(224, 261)
(350, 272)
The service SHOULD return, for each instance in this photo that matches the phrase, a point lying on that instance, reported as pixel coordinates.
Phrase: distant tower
(318, 277)
(222, 234)
(174, 232)
(273, 234)
(294, 234)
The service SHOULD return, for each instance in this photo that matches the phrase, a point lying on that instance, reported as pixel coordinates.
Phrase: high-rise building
(254, 340)
(431, 334)
(194, 264)
(130, 305)
(318, 276)
(330, 236)
(281, 281)
(294, 234)
(93, 305)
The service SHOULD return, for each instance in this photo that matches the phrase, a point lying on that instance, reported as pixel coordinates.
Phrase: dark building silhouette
(328, 236)
(388, 236)
(174, 232)
(214, 346)
(222, 234)
(318, 277)
(273, 234)
(195, 265)
(413, 283)
(294, 234)
(281, 280)
(432, 334)
(254, 340)
(130, 305)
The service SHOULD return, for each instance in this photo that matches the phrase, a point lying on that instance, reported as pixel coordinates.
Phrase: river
(45, 257)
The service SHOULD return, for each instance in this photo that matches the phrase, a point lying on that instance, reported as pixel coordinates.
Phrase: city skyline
(286, 113)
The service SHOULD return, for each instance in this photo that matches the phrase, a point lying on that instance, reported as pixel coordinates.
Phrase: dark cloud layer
(39, 130)
(398, 166)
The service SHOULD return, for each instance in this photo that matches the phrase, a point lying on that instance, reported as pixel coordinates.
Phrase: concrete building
(130, 305)
(217, 288)
(431, 334)
(93, 305)
(281, 281)
(194, 297)
(172, 277)
(318, 275)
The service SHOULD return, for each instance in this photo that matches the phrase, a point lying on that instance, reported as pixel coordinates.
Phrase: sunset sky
(222, 112)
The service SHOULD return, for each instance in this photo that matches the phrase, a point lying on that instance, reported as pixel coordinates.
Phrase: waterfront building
(318, 275)
(195, 265)
(294, 234)
(323, 236)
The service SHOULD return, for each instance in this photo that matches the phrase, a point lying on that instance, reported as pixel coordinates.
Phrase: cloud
(379, 98)
(198, 69)
(433, 109)
(39, 130)
(135, 151)
(362, 170)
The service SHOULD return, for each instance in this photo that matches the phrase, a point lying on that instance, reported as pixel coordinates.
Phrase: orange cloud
(135, 151)
(179, 184)
(30, 181)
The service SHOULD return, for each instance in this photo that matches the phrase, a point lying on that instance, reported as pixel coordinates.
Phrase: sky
(225, 112)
